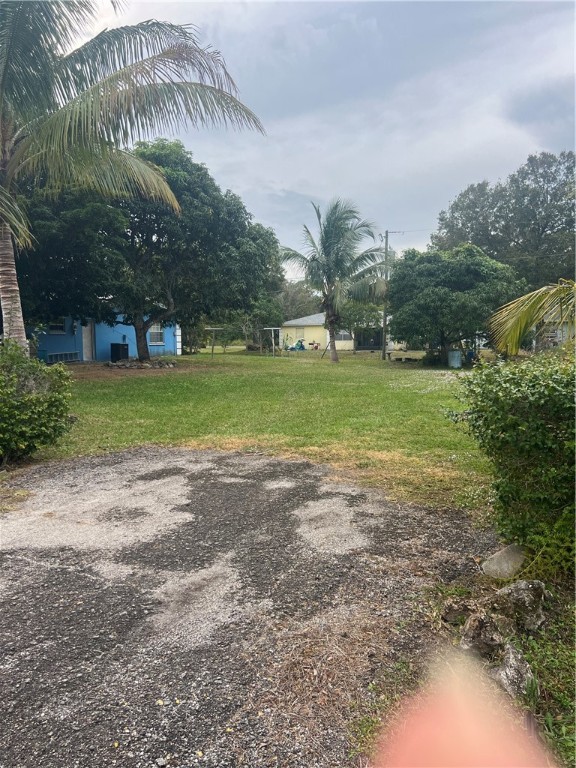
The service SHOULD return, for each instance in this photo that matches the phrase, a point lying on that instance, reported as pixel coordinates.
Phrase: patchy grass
(551, 656)
(379, 707)
(10, 498)
(380, 423)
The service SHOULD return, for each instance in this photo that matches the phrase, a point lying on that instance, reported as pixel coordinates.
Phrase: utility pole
(386, 276)
(384, 320)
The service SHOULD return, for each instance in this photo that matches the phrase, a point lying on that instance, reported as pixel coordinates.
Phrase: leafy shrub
(34, 403)
(522, 415)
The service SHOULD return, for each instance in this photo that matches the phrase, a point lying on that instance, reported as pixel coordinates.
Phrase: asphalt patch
(154, 603)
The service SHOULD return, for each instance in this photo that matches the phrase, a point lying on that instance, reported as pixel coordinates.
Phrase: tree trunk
(141, 329)
(332, 337)
(444, 347)
(12, 318)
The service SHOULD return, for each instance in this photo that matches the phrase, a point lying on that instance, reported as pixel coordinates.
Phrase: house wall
(311, 334)
(69, 343)
(125, 334)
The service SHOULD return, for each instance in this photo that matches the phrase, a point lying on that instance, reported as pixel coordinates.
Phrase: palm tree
(553, 305)
(67, 115)
(334, 266)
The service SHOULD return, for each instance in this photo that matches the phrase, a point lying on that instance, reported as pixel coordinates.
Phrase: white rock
(514, 674)
(506, 563)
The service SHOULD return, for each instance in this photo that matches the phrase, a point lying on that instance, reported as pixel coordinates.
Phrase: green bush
(34, 403)
(522, 415)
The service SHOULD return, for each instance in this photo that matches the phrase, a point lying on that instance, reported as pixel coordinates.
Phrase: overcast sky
(397, 106)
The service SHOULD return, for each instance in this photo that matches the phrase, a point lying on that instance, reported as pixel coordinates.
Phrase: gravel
(164, 607)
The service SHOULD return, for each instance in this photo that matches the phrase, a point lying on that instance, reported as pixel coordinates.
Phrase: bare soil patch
(164, 607)
(101, 372)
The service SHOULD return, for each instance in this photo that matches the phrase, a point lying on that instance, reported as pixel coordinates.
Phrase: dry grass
(316, 674)
(402, 476)
(10, 498)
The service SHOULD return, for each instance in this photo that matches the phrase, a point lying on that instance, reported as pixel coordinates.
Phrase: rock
(455, 611)
(505, 563)
(523, 601)
(514, 674)
(482, 635)
(160, 761)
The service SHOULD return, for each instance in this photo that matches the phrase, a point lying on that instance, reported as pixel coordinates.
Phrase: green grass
(383, 422)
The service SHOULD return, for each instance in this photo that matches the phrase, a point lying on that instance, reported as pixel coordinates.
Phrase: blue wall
(125, 334)
(71, 341)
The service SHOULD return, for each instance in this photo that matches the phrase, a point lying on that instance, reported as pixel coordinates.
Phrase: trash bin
(118, 352)
(454, 358)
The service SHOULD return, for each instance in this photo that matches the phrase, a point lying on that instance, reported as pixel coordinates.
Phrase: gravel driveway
(167, 607)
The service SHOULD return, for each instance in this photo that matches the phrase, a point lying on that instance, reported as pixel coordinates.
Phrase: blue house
(66, 340)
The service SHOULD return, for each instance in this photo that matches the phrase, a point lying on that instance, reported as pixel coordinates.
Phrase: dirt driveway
(176, 608)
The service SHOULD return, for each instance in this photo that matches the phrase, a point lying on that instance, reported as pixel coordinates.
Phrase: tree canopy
(76, 259)
(66, 113)
(298, 300)
(440, 298)
(526, 222)
(144, 260)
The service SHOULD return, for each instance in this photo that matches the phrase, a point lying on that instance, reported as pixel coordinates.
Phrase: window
(57, 326)
(156, 334)
(299, 333)
(343, 336)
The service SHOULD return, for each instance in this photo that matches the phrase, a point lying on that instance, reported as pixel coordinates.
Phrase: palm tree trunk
(332, 337)
(12, 319)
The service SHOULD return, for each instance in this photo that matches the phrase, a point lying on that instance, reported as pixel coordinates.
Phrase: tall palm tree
(67, 115)
(553, 305)
(334, 265)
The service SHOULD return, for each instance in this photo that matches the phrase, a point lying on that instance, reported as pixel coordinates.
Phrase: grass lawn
(383, 423)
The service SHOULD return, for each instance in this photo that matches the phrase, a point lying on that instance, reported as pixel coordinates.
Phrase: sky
(396, 106)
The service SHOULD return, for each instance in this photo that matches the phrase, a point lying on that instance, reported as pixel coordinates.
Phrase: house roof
(317, 319)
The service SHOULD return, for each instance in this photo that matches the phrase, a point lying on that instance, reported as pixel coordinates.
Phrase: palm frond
(551, 304)
(110, 172)
(309, 240)
(120, 118)
(169, 47)
(290, 256)
(370, 260)
(32, 35)
(15, 217)
(368, 289)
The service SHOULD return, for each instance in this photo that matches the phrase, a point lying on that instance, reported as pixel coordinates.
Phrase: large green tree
(143, 260)
(66, 113)
(76, 259)
(333, 263)
(180, 267)
(298, 300)
(441, 298)
(526, 221)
